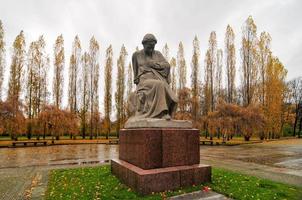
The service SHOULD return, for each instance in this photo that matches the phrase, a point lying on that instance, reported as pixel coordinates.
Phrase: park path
(279, 161)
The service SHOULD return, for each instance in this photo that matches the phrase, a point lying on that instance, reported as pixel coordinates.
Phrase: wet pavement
(56, 155)
(21, 168)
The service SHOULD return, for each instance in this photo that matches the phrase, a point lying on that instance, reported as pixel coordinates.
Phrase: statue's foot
(166, 117)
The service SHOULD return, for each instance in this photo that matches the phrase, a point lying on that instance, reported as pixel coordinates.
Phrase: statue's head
(149, 42)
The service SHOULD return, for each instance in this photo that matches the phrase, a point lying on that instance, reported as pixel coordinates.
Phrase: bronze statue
(153, 97)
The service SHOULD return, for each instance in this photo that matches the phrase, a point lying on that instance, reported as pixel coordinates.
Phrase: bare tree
(295, 86)
(218, 76)
(37, 93)
(2, 58)
(166, 52)
(249, 61)
(108, 88)
(195, 80)
(94, 80)
(16, 71)
(120, 90)
(84, 90)
(230, 63)
(129, 88)
(59, 62)
(74, 66)
(264, 60)
(181, 64)
(210, 68)
(173, 74)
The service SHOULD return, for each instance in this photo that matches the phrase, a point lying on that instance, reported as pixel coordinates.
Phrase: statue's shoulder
(137, 53)
(157, 52)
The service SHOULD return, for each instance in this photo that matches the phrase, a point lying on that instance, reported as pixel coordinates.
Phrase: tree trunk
(296, 120)
(300, 127)
(247, 138)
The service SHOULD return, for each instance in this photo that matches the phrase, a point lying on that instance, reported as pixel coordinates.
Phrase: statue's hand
(151, 64)
(136, 80)
(154, 65)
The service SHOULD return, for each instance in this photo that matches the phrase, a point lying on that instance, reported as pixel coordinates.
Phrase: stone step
(200, 195)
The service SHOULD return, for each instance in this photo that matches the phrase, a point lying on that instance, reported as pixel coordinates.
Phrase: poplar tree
(195, 80)
(74, 67)
(120, 90)
(230, 64)
(218, 76)
(94, 86)
(210, 69)
(264, 60)
(16, 71)
(275, 87)
(173, 74)
(2, 58)
(249, 61)
(36, 93)
(108, 88)
(129, 88)
(181, 64)
(165, 52)
(84, 91)
(59, 62)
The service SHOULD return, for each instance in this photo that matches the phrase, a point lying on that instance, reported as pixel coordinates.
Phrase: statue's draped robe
(154, 96)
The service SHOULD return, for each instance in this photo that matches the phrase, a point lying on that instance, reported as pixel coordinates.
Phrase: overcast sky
(126, 22)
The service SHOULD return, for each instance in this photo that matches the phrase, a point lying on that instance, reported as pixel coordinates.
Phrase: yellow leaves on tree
(231, 118)
(274, 87)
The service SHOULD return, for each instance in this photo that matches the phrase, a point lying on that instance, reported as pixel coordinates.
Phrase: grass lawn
(99, 183)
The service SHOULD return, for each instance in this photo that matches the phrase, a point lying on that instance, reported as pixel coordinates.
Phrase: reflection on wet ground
(57, 155)
(270, 154)
(286, 154)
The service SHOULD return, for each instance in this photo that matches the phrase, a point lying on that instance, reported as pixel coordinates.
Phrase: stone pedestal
(159, 159)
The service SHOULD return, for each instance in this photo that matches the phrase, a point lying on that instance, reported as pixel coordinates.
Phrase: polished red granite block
(180, 147)
(141, 147)
(160, 179)
(150, 148)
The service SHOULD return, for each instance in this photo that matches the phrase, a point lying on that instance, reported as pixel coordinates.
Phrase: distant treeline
(263, 104)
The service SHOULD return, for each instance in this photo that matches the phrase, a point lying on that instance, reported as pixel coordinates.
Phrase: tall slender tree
(16, 71)
(31, 86)
(129, 88)
(230, 57)
(275, 86)
(264, 60)
(210, 62)
(181, 64)
(36, 93)
(295, 87)
(173, 74)
(41, 68)
(108, 88)
(74, 67)
(84, 90)
(249, 61)
(2, 58)
(195, 79)
(218, 76)
(166, 52)
(120, 90)
(94, 80)
(59, 62)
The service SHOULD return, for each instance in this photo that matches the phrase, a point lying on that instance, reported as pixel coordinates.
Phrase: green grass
(99, 183)
(239, 186)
